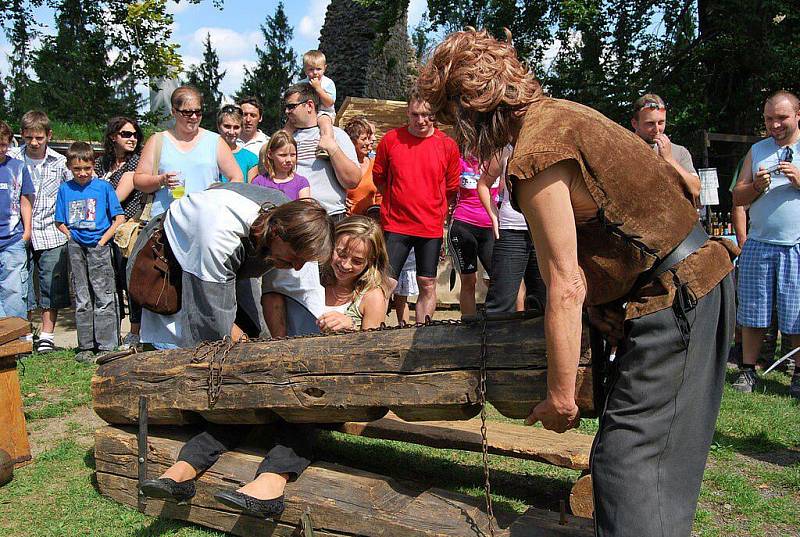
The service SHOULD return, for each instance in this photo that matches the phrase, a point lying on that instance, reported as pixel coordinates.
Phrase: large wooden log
(568, 450)
(342, 501)
(420, 373)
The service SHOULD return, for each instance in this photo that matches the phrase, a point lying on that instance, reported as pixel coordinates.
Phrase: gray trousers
(95, 296)
(663, 392)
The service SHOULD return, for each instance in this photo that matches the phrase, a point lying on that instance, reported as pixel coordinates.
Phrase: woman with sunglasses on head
(229, 126)
(185, 158)
(122, 147)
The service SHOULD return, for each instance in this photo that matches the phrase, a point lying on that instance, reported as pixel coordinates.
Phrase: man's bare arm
(546, 203)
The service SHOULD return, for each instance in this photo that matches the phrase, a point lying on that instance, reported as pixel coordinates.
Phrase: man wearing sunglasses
(649, 122)
(769, 267)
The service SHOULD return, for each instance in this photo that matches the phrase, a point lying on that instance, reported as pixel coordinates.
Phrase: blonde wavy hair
(477, 84)
(376, 274)
(280, 139)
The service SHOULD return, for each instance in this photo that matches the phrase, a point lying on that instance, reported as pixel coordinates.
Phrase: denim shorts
(14, 280)
(769, 274)
(52, 266)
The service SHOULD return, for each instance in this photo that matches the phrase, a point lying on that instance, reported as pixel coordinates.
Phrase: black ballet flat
(169, 489)
(249, 505)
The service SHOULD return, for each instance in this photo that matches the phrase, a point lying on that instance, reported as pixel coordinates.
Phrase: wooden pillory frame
(429, 376)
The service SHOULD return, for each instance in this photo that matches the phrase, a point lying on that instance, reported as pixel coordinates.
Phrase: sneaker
(794, 387)
(129, 342)
(86, 357)
(322, 154)
(746, 382)
(43, 346)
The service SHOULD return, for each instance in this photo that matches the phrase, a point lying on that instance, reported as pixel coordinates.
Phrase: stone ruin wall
(357, 63)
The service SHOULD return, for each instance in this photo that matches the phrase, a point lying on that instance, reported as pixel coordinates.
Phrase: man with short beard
(769, 267)
(614, 229)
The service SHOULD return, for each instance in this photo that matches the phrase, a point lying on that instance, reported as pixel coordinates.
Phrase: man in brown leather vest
(614, 229)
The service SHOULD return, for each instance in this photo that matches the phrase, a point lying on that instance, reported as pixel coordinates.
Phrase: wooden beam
(343, 501)
(420, 373)
(12, 328)
(13, 430)
(567, 450)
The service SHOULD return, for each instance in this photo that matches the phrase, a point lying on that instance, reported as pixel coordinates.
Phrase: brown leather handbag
(155, 279)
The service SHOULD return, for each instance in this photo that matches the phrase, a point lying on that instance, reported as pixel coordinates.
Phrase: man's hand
(791, 172)
(664, 146)
(558, 417)
(334, 321)
(762, 180)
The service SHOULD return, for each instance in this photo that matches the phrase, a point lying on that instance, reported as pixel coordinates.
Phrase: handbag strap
(148, 199)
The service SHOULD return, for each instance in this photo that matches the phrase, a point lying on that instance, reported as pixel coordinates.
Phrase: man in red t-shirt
(417, 170)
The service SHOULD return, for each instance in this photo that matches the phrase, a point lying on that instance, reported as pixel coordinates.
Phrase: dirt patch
(43, 396)
(79, 426)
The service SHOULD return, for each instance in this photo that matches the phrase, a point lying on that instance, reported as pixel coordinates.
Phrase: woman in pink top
(470, 236)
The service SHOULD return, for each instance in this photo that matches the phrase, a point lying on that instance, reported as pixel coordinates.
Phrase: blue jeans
(14, 280)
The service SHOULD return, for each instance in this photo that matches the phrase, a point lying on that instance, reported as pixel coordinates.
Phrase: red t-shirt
(416, 175)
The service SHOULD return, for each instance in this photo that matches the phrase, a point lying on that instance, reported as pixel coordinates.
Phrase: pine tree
(206, 77)
(277, 65)
(74, 77)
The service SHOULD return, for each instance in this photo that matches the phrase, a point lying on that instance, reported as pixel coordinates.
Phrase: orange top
(366, 194)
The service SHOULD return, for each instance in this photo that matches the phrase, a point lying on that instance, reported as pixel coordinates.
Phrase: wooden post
(13, 432)
(6, 468)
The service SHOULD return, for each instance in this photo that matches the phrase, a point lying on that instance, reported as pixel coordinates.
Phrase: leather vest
(643, 209)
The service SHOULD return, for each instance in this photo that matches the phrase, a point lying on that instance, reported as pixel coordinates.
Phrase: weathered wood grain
(13, 431)
(567, 450)
(581, 500)
(6, 467)
(343, 501)
(420, 373)
(12, 328)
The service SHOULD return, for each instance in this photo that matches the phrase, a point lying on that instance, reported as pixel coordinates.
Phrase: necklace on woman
(343, 296)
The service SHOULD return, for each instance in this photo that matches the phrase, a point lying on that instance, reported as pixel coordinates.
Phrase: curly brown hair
(477, 84)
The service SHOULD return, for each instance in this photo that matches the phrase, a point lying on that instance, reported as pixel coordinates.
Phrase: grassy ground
(751, 485)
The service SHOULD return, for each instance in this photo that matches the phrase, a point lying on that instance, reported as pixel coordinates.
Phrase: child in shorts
(314, 66)
(278, 160)
(88, 212)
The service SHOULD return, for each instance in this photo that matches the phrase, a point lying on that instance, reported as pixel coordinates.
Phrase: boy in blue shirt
(88, 212)
(16, 207)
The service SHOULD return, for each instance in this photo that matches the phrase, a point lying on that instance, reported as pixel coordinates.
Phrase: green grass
(54, 384)
(751, 485)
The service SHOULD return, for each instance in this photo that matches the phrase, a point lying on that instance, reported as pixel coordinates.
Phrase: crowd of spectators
(415, 183)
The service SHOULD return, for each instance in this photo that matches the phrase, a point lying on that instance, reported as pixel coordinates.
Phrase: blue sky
(234, 30)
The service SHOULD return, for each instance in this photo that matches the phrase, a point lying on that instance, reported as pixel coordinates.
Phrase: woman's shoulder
(372, 298)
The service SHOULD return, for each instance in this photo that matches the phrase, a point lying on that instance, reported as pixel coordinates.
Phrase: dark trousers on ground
(663, 392)
(513, 258)
(291, 451)
(96, 315)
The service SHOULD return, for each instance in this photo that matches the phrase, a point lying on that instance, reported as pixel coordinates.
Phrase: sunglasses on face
(653, 106)
(189, 113)
(228, 108)
(292, 106)
(126, 134)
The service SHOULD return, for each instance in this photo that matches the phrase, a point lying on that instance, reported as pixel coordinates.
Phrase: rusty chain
(487, 486)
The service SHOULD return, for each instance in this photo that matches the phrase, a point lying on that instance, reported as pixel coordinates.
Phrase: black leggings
(291, 451)
(467, 244)
(427, 251)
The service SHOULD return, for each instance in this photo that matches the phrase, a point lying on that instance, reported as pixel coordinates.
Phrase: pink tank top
(468, 207)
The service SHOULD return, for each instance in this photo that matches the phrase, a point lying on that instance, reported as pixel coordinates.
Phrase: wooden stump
(419, 373)
(13, 432)
(6, 467)
(344, 502)
(581, 500)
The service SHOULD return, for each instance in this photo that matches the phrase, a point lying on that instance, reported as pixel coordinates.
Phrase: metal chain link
(487, 486)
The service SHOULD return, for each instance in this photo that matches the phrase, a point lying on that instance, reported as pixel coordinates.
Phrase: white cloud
(175, 7)
(234, 74)
(311, 24)
(227, 42)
